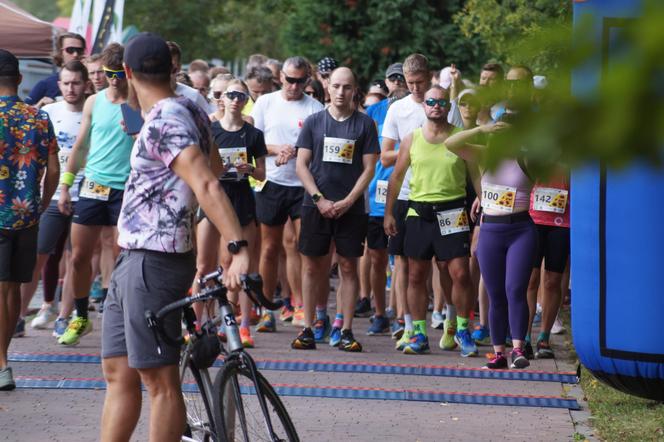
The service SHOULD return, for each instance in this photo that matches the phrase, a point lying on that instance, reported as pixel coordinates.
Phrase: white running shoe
(46, 315)
(558, 327)
(437, 320)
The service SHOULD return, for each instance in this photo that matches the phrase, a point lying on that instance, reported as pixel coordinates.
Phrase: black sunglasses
(74, 50)
(232, 95)
(295, 80)
(397, 77)
(431, 102)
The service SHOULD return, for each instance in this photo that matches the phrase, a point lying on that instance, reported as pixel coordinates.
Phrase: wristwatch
(235, 246)
(316, 197)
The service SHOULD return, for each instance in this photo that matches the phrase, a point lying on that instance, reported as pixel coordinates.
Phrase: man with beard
(104, 147)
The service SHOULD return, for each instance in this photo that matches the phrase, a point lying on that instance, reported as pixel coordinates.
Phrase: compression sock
(451, 312)
(543, 336)
(528, 338)
(408, 320)
(338, 320)
(82, 307)
(462, 323)
(420, 327)
(321, 313)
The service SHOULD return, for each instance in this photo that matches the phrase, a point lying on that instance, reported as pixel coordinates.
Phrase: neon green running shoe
(447, 341)
(77, 328)
(404, 340)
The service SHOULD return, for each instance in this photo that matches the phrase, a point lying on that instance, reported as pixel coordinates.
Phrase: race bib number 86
(453, 221)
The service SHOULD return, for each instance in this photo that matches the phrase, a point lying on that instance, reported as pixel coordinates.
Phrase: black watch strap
(235, 246)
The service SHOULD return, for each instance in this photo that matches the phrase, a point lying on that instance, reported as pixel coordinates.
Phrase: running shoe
(305, 340)
(6, 379)
(335, 336)
(245, 337)
(528, 351)
(397, 329)
(390, 313)
(379, 326)
(267, 323)
(481, 334)
(19, 331)
(437, 320)
(463, 339)
(77, 328)
(558, 327)
(45, 315)
(96, 292)
(60, 327)
(298, 317)
(544, 351)
(497, 362)
(447, 340)
(348, 342)
(287, 313)
(363, 308)
(519, 359)
(404, 340)
(322, 329)
(417, 345)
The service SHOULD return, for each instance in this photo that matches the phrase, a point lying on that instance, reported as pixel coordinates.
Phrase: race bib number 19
(499, 198)
(549, 199)
(453, 221)
(92, 190)
(381, 191)
(338, 150)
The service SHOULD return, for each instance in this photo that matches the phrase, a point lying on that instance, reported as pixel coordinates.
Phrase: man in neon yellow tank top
(437, 222)
(104, 148)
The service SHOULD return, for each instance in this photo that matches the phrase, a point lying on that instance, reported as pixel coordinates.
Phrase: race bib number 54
(549, 199)
(500, 198)
(338, 150)
(453, 221)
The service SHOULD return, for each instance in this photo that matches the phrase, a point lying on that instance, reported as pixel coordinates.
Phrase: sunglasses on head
(74, 50)
(112, 73)
(397, 77)
(431, 102)
(295, 80)
(233, 95)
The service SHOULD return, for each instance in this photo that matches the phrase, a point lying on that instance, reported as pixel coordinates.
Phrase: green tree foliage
(368, 35)
(46, 10)
(504, 26)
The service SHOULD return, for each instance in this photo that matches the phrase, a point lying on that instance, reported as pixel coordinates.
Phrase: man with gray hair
(280, 115)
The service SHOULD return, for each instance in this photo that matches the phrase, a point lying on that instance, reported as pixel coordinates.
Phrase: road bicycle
(240, 405)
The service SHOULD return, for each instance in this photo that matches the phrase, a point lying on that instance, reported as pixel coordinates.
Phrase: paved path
(66, 414)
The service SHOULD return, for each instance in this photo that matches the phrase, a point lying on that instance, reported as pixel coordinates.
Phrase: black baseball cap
(8, 64)
(148, 53)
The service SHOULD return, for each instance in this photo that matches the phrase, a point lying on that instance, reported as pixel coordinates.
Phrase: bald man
(337, 151)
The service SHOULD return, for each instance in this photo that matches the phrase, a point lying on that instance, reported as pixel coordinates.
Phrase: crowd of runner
(384, 188)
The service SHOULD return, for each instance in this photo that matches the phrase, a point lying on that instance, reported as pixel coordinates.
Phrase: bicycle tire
(234, 375)
(196, 391)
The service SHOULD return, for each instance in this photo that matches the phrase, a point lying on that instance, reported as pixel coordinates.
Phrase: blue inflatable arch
(617, 241)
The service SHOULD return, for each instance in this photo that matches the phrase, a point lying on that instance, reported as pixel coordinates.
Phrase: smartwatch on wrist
(235, 246)
(316, 197)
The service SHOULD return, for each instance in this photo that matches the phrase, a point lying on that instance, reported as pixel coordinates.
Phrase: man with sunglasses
(437, 221)
(280, 115)
(104, 148)
(68, 46)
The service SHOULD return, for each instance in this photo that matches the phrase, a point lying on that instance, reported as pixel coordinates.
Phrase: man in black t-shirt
(337, 153)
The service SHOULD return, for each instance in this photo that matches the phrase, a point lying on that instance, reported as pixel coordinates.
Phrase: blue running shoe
(419, 344)
(335, 337)
(397, 329)
(60, 326)
(96, 292)
(480, 334)
(379, 326)
(466, 343)
(322, 329)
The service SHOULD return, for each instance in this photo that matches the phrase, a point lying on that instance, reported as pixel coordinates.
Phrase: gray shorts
(18, 254)
(52, 225)
(144, 280)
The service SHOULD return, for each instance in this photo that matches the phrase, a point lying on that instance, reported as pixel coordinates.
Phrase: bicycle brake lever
(152, 325)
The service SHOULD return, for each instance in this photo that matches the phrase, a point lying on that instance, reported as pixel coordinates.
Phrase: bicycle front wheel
(242, 418)
(197, 392)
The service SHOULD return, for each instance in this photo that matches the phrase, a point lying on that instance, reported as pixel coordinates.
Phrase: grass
(617, 416)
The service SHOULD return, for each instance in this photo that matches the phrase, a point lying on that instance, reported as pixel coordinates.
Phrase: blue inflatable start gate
(617, 242)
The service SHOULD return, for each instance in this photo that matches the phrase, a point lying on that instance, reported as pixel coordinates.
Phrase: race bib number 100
(499, 198)
(549, 199)
(381, 191)
(453, 221)
(338, 150)
(92, 190)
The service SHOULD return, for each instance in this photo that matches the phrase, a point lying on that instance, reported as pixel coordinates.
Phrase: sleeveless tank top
(506, 190)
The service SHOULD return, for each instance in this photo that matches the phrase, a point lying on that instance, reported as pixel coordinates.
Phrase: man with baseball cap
(169, 173)
(27, 150)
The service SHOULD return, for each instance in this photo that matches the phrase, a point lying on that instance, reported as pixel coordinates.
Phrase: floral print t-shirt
(158, 206)
(26, 141)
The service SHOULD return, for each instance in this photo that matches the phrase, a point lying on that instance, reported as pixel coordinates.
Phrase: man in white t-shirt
(403, 117)
(280, 115)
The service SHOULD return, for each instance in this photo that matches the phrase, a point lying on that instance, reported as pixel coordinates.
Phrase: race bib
(233, 156)
(258, 187)
(63, 157)
(94, 191)
(549, 199)
(381, 192)
(453, 221)
(338, 150)
(499, 198)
